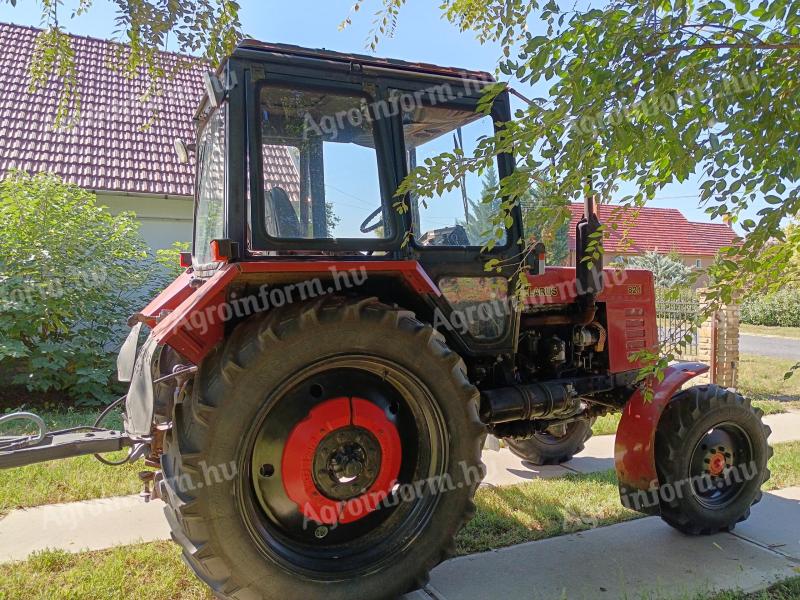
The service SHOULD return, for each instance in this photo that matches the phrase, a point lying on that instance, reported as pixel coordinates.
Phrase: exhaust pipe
(589, 279)
(529, 402)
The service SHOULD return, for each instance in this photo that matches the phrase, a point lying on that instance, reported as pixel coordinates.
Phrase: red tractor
(315, 396)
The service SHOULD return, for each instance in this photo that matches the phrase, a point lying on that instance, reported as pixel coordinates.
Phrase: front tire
(258, 403)
(711, 459)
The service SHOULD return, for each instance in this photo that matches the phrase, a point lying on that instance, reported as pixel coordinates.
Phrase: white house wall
(163, 221)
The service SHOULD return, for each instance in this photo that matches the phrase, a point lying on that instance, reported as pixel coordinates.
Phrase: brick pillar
(727, 359)
(705, 348)
(718, 346)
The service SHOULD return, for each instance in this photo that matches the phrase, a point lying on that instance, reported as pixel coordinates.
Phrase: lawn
(787, 332)
(761, 378)
(152, 570)
(69, 480)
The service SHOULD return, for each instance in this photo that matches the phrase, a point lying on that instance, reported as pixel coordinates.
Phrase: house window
(698, 263)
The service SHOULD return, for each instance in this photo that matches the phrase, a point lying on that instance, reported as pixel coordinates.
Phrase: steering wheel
(367, 227)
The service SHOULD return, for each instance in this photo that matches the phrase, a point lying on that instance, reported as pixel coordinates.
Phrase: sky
(422, 35)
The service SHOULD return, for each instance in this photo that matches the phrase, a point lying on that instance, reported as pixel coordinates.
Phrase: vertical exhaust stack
(589, 279)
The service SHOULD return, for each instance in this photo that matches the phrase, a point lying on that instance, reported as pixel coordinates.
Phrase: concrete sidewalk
(77, 526)
(637, 559)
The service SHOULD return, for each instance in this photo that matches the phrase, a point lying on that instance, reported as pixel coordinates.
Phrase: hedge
(781, 309)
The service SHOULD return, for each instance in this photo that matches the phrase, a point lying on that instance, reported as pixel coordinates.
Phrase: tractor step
(19, 451)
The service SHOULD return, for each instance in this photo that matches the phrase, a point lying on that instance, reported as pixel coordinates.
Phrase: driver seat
(287, 225)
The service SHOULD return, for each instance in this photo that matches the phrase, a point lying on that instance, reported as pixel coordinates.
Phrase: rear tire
(547, 449)
(239, 540)
(711, 459)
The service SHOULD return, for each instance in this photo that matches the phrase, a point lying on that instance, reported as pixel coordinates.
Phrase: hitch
(19, 451)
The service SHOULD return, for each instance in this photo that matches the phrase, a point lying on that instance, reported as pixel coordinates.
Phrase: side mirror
(182, 149)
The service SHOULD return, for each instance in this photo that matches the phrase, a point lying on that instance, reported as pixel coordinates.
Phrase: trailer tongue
(20, 451)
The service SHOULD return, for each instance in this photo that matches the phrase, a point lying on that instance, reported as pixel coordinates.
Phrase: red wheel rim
(337, 427)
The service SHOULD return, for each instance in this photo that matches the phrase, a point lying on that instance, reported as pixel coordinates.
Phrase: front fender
(634, 448)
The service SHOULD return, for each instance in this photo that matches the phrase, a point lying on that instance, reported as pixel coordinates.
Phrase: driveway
(769, 346)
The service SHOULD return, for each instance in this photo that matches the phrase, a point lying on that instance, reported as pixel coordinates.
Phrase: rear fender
(634, 449)
(195, 326)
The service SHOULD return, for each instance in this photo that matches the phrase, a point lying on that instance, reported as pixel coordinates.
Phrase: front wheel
(347, 443)
(711, 459)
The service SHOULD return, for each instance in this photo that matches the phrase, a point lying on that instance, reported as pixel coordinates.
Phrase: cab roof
(363, 60)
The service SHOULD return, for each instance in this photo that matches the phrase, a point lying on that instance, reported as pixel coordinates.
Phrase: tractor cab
(300, 153)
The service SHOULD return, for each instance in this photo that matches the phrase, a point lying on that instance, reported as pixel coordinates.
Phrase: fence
(684, 333)
(677, 315)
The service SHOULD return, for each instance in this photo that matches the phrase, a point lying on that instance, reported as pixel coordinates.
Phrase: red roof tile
(110, 148)
(651, 229)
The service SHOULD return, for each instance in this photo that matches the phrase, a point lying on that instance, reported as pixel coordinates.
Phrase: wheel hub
(718, 451)
(346, 463)
(341, 461)
(717, 463)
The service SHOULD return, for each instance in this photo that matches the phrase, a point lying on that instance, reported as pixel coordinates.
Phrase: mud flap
(126, 359)
(139, 405)
(634, 448)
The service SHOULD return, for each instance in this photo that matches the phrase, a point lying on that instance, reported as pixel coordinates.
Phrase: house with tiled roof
(121, 148)
(636, 231)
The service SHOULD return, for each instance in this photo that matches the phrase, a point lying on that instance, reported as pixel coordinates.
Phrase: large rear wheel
(345, 441)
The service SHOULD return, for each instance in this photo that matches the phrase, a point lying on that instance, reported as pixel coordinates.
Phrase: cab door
(451, 229)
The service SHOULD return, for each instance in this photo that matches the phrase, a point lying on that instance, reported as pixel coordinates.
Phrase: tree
(643, 92)
(478, 226)
(668, 271)
(538, 226)
(208, 28)
(651, 93)
(546, 220)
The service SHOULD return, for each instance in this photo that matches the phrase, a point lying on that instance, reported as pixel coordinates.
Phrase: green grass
(607, 424)
(69, 480)
(542, 508)
(787, 332)
(786, 590)
(143, 571)
(761, 378)
(505, 516)
(785, 466)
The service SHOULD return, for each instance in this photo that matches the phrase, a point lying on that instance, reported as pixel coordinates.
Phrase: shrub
(781, 309)
(70, 275)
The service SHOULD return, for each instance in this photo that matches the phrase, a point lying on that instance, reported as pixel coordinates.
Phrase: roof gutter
(122, 194)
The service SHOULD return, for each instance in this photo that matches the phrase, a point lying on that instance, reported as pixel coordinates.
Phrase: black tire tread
(682, 411)
(184, 448)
